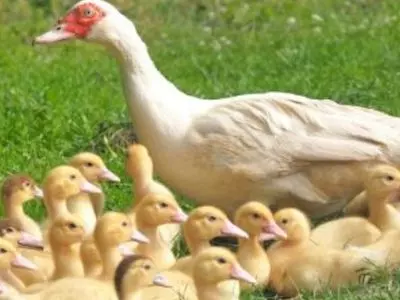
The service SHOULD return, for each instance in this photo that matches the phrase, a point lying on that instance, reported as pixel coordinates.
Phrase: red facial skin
(81, 19)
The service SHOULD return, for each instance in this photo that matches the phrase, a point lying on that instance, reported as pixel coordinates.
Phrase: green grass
(57, 101)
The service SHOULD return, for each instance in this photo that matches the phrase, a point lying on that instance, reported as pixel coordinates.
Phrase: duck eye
(9, 229)
(89, 164)
(72, 176)
(72, 226)
(163, 205)
(256, 216)
(88, 12)
(2, 250)
(285, 221)
(221, 260)
(389, 178)
(124, 224)
(212, 218)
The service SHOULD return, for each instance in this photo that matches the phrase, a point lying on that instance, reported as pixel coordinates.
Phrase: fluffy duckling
(214, 266)
(90, 206)
(153, 211)
(134, 273)
(139, 166)
(204, 224)
(62, 183)
(9, 257)
(112, 230)
(66, 234)
(299, 264)
(16, 190)
(257, 220)
(382, 187)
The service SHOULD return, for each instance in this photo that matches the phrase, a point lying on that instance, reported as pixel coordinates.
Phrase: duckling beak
(139, 237)
(161, 280)
(231, 229)
(106, 174)
(87, 187)
(239, 273)
(180, 217)
(22, 262)
(125, 250)
(38, 192)
(30, 240)
(272, 231)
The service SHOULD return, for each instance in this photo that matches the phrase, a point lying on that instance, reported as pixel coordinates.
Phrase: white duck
(268, 146)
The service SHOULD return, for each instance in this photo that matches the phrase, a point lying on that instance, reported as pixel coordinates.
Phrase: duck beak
(30, 240)
(106, 174)
(88, 187)
(57, 34)
(125, 250)
(272, 231)
(22, 262)
(38, 192)
(231, 229)
(139, 237)
(239, 273)
(161, 280)
(180, 217)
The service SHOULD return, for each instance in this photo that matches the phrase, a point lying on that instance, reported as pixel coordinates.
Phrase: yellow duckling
(257, 220)
(299, 264)
(382, 187)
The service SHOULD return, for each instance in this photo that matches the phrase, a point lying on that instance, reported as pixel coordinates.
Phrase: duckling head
(208, 222)
(138, 269)
(156, 209)
(216, 264)
(114, 228)
(92, 167)
(257, 220)
(138, 161)
(10, 232)
(383, 182)
(20, 188)
(67, 230)
(63, 182)
(295, 223)
(10, 257)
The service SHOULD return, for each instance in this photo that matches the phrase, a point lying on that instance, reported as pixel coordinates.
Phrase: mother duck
(278, 148)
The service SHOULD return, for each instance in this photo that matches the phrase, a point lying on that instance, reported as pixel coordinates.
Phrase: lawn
(57, 101)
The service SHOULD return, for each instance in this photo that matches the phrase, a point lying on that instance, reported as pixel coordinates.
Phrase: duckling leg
(357, 206)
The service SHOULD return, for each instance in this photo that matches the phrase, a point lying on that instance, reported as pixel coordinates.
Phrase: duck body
(255, 146)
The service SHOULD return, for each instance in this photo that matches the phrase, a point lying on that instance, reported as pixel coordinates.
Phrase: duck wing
(272, 135)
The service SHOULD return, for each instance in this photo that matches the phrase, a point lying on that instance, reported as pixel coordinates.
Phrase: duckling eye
(285, 221)
(256, 216)
(389, 178)
(9, 229)
(221, 260)
(212, 218)
(89, 164)
(124, 224)
(163, 205)
(72, 176)
(72, 226)
(147, 267)
(2, 250)
(27, 184)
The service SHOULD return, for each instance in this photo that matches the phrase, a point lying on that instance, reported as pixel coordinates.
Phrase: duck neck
(153, 234)
(250, 246)
(208, 291)
(156, 106)
(13, 207)
(67, 260)
(131, 289)
(194, 243)
(110, 257)
(142, 182)
(379, 210)
(56, 207)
